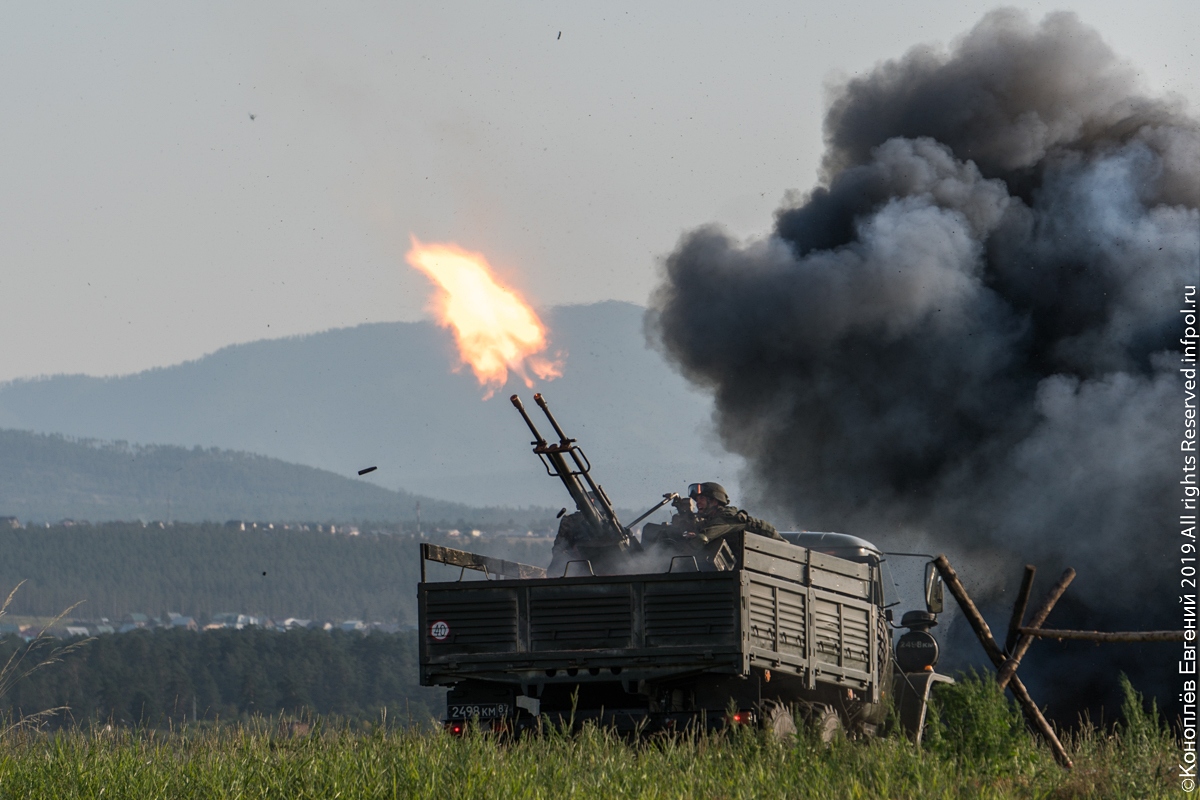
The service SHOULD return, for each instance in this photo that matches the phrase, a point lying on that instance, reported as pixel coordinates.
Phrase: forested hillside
(387, 394)
(158, 677)
(201, 570)
(49, 477)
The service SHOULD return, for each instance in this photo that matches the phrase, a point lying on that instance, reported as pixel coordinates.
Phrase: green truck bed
(788, 609)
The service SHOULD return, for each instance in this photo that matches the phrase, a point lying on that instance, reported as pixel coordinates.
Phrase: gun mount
(599, 527)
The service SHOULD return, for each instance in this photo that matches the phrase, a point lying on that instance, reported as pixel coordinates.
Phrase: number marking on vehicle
(479, 710)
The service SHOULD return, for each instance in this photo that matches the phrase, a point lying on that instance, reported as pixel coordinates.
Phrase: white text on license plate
(479, 710)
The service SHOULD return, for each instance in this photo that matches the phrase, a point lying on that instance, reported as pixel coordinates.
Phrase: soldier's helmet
(714, 490)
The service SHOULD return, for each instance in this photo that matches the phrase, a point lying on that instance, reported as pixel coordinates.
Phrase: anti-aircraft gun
(593, 535)
(754, 633)
(595, 532)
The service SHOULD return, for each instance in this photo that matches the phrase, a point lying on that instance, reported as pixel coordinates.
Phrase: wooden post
(1009, 669)
(1018, 612)
(1034, 715)
(978, 623)
(980, 626)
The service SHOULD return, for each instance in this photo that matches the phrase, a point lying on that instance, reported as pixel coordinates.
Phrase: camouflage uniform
(710, 526)
(572, 530)
(724, 520)
(576, 542)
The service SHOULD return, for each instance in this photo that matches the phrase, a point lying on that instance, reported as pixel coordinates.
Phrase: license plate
(479, 710)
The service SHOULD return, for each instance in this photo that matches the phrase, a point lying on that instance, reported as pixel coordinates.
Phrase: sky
(180, 177)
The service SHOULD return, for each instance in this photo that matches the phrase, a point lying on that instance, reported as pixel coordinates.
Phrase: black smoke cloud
(967, 336)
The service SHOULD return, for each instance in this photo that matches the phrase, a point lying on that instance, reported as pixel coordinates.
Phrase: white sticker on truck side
(439, 630)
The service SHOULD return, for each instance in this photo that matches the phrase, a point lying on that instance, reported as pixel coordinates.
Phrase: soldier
(718, 518)
(576, 541)
(712, 519)
(573, 531)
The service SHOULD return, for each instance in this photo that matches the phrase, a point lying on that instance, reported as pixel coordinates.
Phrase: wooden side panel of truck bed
(787, 609)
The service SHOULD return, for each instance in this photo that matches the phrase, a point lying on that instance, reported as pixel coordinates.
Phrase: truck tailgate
(633, 626)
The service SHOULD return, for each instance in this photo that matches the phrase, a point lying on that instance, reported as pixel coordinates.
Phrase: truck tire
(778, 720)
(827, 724)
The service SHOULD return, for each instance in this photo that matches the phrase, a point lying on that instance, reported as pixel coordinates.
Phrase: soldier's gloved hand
(684, 505)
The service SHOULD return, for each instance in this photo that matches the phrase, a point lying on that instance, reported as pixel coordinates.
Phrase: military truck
(752, 631)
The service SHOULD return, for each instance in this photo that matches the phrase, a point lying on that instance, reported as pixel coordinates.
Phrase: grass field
(977, 749)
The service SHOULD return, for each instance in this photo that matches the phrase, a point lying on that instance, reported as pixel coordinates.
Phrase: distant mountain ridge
(386, 395)
(45, 478)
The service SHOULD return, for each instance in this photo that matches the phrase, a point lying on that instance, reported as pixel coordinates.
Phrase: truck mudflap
(911, 692)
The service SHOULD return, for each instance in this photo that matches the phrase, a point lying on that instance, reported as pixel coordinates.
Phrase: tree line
(205, 569)
(165, 677)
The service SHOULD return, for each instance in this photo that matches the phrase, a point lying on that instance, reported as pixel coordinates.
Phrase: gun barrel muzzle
(516, 401)
(541, 401)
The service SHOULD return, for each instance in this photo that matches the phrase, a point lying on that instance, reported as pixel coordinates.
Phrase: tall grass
(259, 761)
(40, 652)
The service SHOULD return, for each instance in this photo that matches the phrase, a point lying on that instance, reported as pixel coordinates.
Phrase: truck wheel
(827, 724)
(778, 720)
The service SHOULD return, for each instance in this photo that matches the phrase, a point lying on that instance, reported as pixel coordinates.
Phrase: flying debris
(366, 470)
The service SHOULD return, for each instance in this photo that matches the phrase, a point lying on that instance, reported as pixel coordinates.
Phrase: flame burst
(495, 329)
